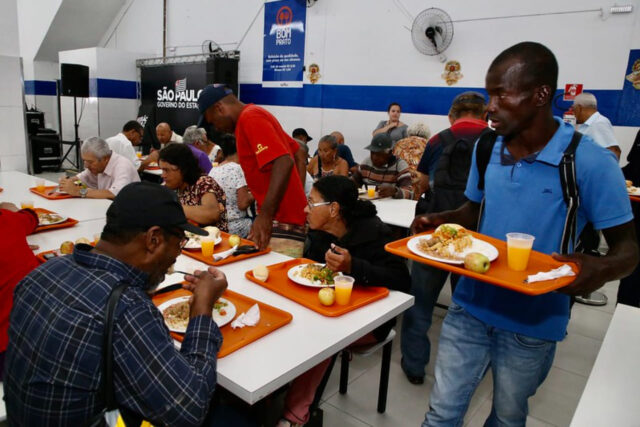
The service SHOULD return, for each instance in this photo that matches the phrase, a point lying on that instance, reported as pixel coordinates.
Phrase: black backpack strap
(569, 184)
(108, 391)
(484, 148)
(447, 137)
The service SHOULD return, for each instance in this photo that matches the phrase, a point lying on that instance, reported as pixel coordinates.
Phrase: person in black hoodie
(346, 234)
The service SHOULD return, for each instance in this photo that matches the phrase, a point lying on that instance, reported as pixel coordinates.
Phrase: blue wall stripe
(125, 89)
(414, 99)
(40, 87)
(103, 88)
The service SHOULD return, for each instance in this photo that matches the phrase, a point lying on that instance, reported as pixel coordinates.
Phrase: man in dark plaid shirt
(53, 372)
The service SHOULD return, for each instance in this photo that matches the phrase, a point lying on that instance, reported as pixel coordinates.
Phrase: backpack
(589, 239)
(451, 173)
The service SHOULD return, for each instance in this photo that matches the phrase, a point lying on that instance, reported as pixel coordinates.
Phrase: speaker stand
(72, 144)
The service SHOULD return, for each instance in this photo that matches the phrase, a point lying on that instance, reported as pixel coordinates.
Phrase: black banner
(170, 94)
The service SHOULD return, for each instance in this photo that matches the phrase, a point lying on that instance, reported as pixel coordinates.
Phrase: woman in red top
(16, 261)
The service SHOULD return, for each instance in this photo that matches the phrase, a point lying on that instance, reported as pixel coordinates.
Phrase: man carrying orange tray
(489, 327)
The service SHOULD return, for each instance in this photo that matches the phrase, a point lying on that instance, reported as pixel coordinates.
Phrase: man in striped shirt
(389, 174)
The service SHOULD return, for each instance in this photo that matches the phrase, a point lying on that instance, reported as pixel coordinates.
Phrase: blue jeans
(426, 284)
(467, 349)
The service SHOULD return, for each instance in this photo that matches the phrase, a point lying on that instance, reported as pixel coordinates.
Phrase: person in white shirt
(105, 174)
(165, 135)
(124, 142)
(594, 124)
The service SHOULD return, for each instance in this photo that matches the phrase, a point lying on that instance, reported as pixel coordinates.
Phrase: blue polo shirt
(526, 196)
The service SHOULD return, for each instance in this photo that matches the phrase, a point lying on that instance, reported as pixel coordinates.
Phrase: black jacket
(371, 265)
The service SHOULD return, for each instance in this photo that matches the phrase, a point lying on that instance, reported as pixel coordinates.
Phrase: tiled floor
(553, 404)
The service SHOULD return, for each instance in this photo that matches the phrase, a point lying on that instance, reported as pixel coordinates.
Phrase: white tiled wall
(13, 151)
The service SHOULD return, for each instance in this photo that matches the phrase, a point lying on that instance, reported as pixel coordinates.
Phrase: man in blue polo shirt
(491, 327)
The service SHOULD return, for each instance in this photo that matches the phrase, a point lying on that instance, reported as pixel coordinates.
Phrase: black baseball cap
(301, 132)
(209, 96)
(145, 204)
(380, 142)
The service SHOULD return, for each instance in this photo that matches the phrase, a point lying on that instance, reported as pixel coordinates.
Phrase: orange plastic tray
(221, 247)
(70, 222)
(499, 274)
(280, 283)
(271, 318)
(46, 195)
(635, 199)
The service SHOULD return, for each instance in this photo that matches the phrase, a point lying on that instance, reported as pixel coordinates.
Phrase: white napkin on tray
(250, 318)
(562, 271)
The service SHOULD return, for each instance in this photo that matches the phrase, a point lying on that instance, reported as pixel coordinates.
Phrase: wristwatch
(83, 192)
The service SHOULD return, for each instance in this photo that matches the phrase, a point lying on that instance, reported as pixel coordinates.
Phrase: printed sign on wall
(284, 39)
(571, 90)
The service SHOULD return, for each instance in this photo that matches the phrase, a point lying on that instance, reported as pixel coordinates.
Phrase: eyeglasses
(178, 233)
(313, 205)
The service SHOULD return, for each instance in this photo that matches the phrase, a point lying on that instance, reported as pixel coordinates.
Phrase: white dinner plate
(60, 221)
(221, 320)
(293, 274)
(635, 192)
(477, 245)
(195, 243)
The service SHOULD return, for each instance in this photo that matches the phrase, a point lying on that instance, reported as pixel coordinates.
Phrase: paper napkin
(250, 318)
(562, 271)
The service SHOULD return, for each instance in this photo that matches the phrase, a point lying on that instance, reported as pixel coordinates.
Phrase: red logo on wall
(571, 90)
(284, 16)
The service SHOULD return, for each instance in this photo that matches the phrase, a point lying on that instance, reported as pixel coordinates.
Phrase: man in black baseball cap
(142, 238)
(389, 174)
(301, 134)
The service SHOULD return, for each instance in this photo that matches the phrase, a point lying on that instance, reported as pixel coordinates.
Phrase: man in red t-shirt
(273, 165)
(16, 260)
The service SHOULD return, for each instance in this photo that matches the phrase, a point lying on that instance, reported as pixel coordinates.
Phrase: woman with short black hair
(202, 199)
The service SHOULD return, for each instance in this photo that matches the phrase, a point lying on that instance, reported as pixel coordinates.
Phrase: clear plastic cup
(26, 204)
(40, 185)
(518, 250)
(207, 243)
(371, 192)
(343, 286)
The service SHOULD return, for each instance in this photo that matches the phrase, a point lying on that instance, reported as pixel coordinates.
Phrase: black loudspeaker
(223, 70)
(74, 80)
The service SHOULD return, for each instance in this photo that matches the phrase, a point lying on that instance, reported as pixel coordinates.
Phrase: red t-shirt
(260, 140)
(16, 261)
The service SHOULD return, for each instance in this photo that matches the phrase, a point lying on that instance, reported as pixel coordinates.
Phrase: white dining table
(398, 212)
(16, 190)
(260, 368)
(610, 397)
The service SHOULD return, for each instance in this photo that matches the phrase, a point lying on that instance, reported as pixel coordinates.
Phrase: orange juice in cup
(26, 204)
(40, 185)
(518, 250)
(343, 287)
(371, 192)
(207, 244)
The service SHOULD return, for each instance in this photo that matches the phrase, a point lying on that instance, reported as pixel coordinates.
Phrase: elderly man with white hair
(201, 147)
(592, 123)
(105, 174)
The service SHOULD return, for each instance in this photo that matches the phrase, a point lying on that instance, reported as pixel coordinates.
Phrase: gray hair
(97, 146)
(194, 134)
(419, 129)
(586, 99)
(332, 140)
